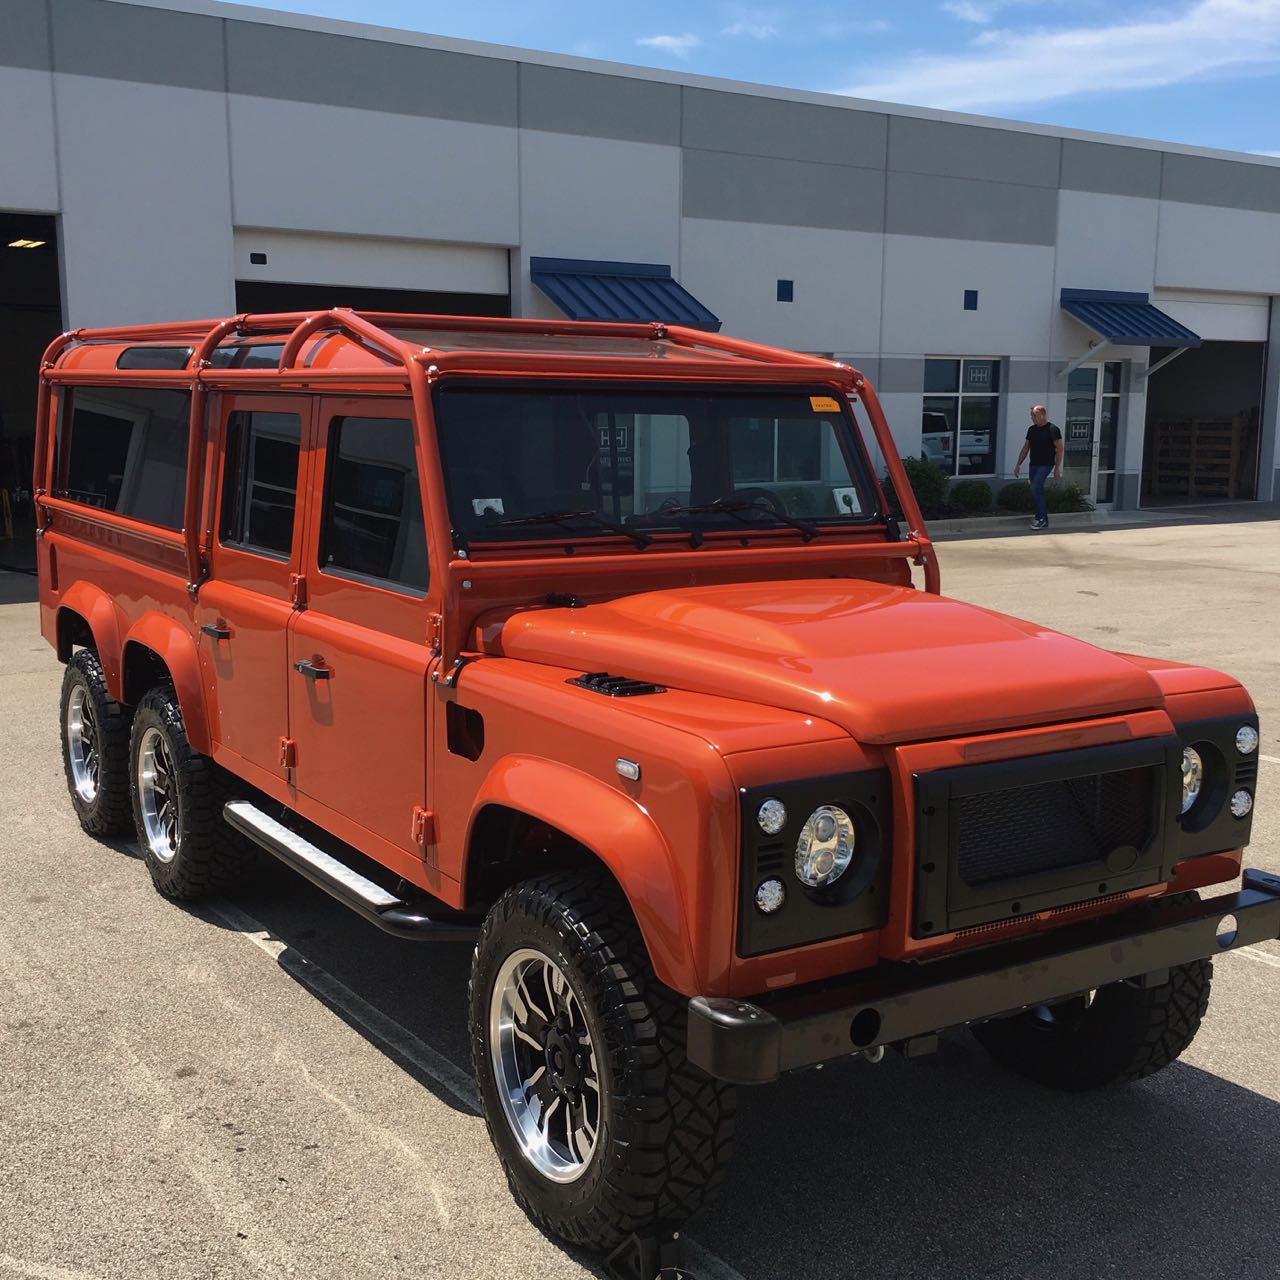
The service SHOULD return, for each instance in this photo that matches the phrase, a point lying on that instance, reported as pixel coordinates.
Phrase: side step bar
(342, 882)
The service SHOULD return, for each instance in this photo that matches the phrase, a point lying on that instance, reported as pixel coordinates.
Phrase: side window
(372, 526)
(260, 482)
(124, 449)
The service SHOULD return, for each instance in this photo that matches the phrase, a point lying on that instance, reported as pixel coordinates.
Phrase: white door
(1091, 432)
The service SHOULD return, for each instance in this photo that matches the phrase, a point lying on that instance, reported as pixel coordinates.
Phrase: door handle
(216, 630)
(312, 670)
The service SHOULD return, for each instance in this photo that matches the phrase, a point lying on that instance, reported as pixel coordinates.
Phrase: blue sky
(1204, 72)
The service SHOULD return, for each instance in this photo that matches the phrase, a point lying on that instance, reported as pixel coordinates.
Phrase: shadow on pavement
(18, 586)
(943, 1167)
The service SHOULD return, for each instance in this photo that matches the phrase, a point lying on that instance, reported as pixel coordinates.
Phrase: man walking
(1044, 444)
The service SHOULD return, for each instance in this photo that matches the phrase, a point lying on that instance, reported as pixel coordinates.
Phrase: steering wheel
(757, 493)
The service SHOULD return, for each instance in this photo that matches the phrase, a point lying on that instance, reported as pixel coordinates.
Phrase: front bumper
(752, 1043)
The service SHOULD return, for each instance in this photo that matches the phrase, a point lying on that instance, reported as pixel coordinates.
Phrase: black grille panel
(1022, 831)
(615, 686)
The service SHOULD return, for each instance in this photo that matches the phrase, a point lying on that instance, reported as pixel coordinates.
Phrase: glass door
(1091, 430)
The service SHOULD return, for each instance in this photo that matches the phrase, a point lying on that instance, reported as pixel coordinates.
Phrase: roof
(1126, 319)
(589, 290)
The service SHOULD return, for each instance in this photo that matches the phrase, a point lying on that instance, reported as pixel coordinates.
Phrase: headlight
(1192, 777)
(825, 847)
(1246, 739)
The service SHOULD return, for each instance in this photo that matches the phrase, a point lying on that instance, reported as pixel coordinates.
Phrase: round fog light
(1192, 777)
(1241, 804)
(1246, 739)
(772, 817)
(825, 847)
(770, 896)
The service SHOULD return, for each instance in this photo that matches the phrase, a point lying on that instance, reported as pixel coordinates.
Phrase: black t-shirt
(1043, 442)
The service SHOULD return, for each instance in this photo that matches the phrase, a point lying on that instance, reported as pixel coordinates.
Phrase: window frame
(959, 395)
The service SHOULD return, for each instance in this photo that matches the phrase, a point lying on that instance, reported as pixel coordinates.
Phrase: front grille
(1005, 839)
(1023, 831)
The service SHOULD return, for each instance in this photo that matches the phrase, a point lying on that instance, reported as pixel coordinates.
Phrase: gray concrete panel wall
(792, 193)
(734, 267)
(1229, 184)
(1202, 247)
(750, 125)
(968, 209)
(143, 239)
(26, 36)
(28, 155)
(972, 151)
(130, 42)
(370, 75)
(333, 175)
(582, 102)
(1110, 169)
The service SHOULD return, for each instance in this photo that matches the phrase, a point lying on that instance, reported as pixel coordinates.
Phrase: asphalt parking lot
(267, 1087)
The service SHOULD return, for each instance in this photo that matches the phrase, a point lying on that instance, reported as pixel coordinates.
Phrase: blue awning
(1126, 319)
(632, 291)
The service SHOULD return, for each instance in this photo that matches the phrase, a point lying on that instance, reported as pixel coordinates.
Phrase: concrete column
(1269, 441)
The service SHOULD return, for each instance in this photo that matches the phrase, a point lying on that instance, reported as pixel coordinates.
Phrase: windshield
(543, 461)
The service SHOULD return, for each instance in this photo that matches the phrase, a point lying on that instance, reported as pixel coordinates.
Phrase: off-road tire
(210, 856)
(110, 812)
(666, 1129)
(1126, 1033)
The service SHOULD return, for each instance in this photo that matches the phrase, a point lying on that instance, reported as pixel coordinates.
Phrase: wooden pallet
(1202, 458)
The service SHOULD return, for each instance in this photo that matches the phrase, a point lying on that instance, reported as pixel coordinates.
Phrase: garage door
(1217, 317)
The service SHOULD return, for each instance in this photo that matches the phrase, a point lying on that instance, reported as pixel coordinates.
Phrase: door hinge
(288, 753)
(435, 632)
(298, 586)
(424, 826)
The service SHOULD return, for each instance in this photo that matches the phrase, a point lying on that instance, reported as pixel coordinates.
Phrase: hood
(887, 664)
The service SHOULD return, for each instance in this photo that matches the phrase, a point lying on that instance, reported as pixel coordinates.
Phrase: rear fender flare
(173, 644)
(105, 621)
(616, 830)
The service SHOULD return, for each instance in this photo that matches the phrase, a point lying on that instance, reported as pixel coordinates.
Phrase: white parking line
(1270, 759)
(1262, 957)
(388, 1031)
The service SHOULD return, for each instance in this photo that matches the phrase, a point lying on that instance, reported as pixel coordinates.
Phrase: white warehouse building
(198, 159)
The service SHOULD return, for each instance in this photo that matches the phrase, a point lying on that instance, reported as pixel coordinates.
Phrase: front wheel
(1118, 1033)
(603, 1127)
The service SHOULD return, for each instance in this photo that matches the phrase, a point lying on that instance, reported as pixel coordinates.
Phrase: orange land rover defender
(597, 645)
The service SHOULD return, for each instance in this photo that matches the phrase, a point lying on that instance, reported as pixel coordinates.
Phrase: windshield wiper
(638, 536)
(807, 527)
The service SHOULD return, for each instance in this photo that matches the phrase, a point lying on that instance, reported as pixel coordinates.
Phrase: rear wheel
(1118, 1033)
(95, 748)
(178, 796)
(602, 1126)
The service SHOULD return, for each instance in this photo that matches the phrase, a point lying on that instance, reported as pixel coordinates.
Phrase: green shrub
(927, 483)
(1015, 496)
(1066, 497)
(971, 496)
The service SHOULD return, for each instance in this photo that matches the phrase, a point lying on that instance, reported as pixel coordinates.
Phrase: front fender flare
(174, 645)
(619, 832)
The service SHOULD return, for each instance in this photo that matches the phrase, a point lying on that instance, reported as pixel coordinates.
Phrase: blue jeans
(1038, 476)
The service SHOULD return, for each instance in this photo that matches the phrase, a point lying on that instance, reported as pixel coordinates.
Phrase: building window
(961, 410)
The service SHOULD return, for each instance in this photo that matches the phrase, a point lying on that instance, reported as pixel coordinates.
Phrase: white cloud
(1265, 153)
(1207, 39)
(752, 30)
(677, 46)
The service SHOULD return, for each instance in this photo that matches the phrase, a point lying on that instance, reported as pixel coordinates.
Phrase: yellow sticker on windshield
(824, 404)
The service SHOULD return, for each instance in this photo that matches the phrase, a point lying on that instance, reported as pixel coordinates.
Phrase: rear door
(244, 610)
(358, 655)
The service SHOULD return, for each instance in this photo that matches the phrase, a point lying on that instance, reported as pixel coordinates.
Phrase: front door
(1090, 433)
(244, 609)
(358, 655)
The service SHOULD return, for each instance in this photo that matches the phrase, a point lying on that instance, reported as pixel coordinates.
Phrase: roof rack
(419, 365)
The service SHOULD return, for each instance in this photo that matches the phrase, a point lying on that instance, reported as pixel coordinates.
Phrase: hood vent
(615, 686)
